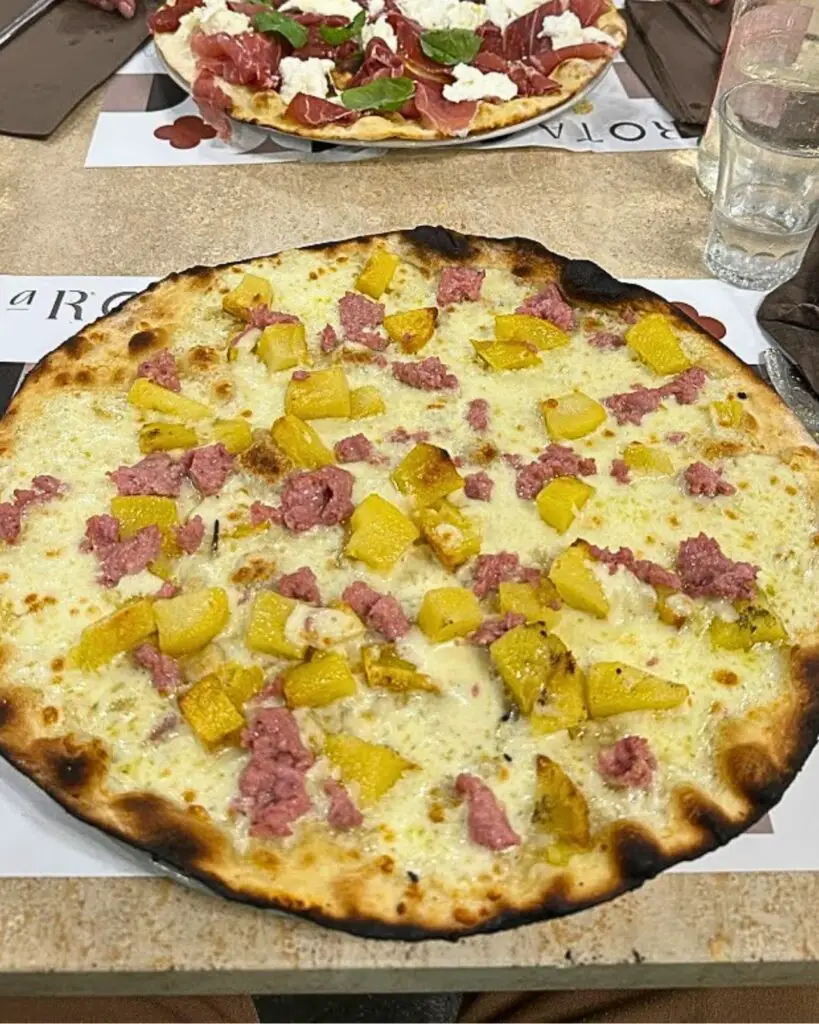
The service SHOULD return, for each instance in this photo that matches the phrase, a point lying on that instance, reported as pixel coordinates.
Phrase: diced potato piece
(729, 413)
(235, 435)
(560, 807)
(144, 394)
(656, 344)
(366, 401)
(613, 688)
(537, 603)
(521, 327)
(646, 460)
(373, 767)
(755, 625)
(210, 712)
(669, 608)
(190, 621)
(240, 682)
(251, 291)
(301, 443)
(164, 437)
(323, 394)
(560, 501)
(507, 355)
(378, 271)
(380, 533)
(322, 680)
(571, 416)
(447, 612)
(426, 474)
(453, 537)
(267, 624)
(413, 328)
(282, 346)
(136, 512)
(576, 583)
(104, 640)
(541, 675)
(385, 669)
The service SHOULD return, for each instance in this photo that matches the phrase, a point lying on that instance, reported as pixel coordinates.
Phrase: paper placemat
(40, 839)
(147, 120)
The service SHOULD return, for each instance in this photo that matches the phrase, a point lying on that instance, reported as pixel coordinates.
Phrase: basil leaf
(335, 35)
(382, 94)
(271, 21)
(451, 45)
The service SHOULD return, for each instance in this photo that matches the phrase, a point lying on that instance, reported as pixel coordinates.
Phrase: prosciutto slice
(314, 112)
(547, 60)
(214, 103)
(522, 37)
(447, 118)
(379, 62)
(248, 59)
(588, 11)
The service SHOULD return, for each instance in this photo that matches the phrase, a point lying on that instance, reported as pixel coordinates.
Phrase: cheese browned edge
(266, 108)
(758, 754)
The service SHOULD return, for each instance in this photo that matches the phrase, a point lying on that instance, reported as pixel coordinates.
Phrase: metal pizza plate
(300, 143)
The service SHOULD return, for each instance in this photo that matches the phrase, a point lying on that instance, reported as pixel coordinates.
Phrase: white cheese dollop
(308, 76)
(342, 8)
(321, 628)
(230, 22)
(472, 84)
(380, 29)
(376, 7)
(444, 13)
(504, 12)
(565, 30)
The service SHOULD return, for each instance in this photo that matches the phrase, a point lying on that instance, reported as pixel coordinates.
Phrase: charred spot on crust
(584, 280)
(76, 347)
(62, 379)
(7, 712)
(203, 357)
(636, 854)
(84, 377)
(266, 459)
(706, 816)
(451, 244)
(143, 341)
(162, 829)
(755, 775)
(72, 767)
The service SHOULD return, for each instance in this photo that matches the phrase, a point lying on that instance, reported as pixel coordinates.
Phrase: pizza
(419, 584)
(372, 70)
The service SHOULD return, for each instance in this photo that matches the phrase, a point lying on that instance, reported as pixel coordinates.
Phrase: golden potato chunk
(250, 292)
(378, 271)
(164, 437)
(144, 394)
(453, 537)
(301, 443)
(374, 768)
(447, 612)
(647, 460)
(426, 474)
(655, 343)
(413, 328)
(507, 355)
(537, 603)
(283, 346)
(240, 682)
(102, 641)
(210, 712)
(266, 628)
(322, 680)
(560, 807)
(380, 533)
(190, 621)
(754, 625)
(384, 668)
(235, 435)
(530, 330)
(138, 511)
(366, 401)
(571, 416)
(729, 413)
(613, 688)
(322, 394)
(561, 499)
(576, 583)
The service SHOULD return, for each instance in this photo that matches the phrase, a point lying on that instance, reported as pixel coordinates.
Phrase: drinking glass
(766, 205)
(770, 40)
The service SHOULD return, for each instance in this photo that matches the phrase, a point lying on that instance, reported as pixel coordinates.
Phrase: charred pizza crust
(758, 754)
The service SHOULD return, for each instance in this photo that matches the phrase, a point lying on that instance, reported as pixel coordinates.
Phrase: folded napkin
(56, 61)
(790, 314)
(676, 47)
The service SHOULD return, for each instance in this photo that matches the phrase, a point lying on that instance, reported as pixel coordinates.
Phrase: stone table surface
(638, 215)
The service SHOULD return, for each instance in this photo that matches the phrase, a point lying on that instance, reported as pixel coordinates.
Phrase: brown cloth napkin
(56, 61)
(790, 314)
(676, 47)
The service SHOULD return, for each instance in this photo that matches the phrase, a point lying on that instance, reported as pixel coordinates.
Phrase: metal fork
(789, 383)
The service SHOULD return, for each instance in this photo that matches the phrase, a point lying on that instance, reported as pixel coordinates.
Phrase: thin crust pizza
(373, 70)
(418, 584)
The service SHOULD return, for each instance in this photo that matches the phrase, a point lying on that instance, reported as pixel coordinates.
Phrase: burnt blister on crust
(441, 241)
(143, 341)
(70, 766)
(165, 831)
(587, 282)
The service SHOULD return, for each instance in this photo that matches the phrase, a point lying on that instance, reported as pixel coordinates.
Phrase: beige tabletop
(637, 215)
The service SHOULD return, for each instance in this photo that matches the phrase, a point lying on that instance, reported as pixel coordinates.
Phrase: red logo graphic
(716, 328)
(186, 132)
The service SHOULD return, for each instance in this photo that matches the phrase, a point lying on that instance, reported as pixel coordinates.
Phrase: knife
(24, 18)
(790, 384)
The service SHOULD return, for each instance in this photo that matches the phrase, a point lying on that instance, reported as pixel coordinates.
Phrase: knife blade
(790, 384)
(16, 25)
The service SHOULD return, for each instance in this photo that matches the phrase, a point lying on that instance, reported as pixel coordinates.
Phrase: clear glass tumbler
(770, 40)
(766, 206)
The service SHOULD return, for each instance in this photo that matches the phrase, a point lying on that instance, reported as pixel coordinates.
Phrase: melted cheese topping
(50, 594)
